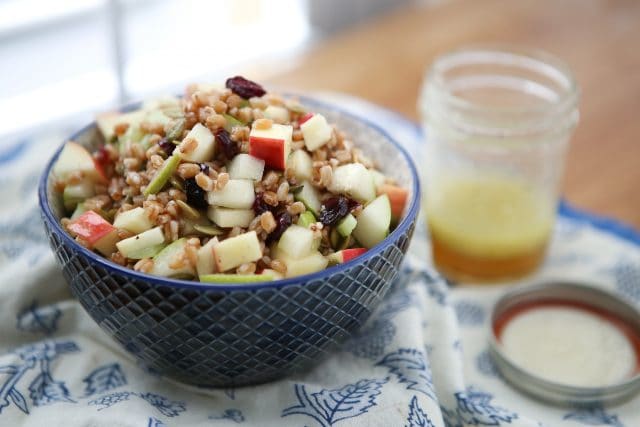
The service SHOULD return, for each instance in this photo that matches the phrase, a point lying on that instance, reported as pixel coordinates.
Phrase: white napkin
(421, 360)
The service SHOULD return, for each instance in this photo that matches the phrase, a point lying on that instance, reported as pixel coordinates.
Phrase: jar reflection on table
(497, 126)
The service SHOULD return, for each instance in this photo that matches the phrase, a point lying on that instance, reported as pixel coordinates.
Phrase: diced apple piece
(345, 255)
(134, 220)
(311, 263)
(74, 158)
(346, 225)
(277, 114)
(272, 145)
(378, 178)
(238, 250)
(236, 278)
(77, 193)
(373, 222)
(163, 174)
(80, 209)
(269, 272)
(165, 258)
(107, 121)
(297, 241)
(226, 217)
(353, 180)
(304, 118)
(157, 117)
(205, 149)
(143, 245)
(397, 197)
(306, 218)
(206, 263)
(316, 132)
(245, 166)
(301, 164)
(97, 232)
(237, 194)
(308, 195)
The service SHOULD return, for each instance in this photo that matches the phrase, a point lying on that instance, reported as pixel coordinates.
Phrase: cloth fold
(421, 360)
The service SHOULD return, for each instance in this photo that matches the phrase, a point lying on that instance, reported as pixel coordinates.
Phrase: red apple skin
(397, 198)
(349, 254)
(272, 151)
(305, 118)
(91, 227)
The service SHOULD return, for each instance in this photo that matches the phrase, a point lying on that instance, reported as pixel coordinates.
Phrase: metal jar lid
(572, 295)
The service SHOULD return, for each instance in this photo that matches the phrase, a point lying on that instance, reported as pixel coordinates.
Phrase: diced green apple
(237, 194)
(397, 197)
(272, 145)
(309, 196)
(206, 263)
(275, 274)
(80, 209)
(301, 164)
(134, 220)
(345, 255)
(373, 222)
(73, 159)
(227, 217)
(378, 178)
(144, 245)
(353, 180)
(277, 114)
(306, 218)
(166, 257)
(97, 232)
(245, 166)
(205, 149)
(346, 225)
(107, 121)
(236, 278)
(316, 132)
(163, 174)
(297, 241)
(311, 263)
(235, 251)
(76, 193)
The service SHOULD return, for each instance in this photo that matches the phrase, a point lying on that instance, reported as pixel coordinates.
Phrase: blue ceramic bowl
(235, 334)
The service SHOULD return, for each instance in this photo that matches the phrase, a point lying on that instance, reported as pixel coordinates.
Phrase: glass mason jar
(497, 125)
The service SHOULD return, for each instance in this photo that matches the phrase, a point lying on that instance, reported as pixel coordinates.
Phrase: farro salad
(226, 184)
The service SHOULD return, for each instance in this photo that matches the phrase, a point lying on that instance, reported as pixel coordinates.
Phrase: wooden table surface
(383, 61)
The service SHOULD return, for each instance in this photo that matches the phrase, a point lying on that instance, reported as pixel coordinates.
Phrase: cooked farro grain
(268, 222)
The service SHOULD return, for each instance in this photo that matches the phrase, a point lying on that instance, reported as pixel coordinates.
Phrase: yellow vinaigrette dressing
(488, 227)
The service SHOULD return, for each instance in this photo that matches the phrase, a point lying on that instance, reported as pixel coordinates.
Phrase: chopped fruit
(378, 178)
(283, 221)
(134, 220)
(74, 194)
(308, 195)
(245, 166)
(80, 209)
(305, 118)
(205, 149)
(236, 278)
(353, 180)
(277, 114)
(397, 197)
(163, 174)
(143, 245)
(206, 264)
(316, 132)
(306, 219)
(227, 145)
(272, 145)
(345, 255)
(74, 159)
(338, 242)
(269, 272)
(297, 241)
(311, 263)
(244, 88)
(232, 122)
(237, 194)
(196, 196)
(172, 262)
(373, 222)
(226, 217)
(301, 164)
(235, 251)
(96, 232)
(107, 121)
(346, 225)
(333, 210)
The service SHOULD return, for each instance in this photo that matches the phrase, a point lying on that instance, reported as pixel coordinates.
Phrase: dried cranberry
(196, 196)
(226, 144)
(283, 221)
(102, 156)
(204, 168)
(333, 209)
(167, 146)
(259, 205)
(244, 88)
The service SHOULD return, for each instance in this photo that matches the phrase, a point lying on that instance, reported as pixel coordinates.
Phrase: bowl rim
(402, 228)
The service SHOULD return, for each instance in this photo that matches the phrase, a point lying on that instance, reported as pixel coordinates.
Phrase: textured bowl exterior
(223, 335)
